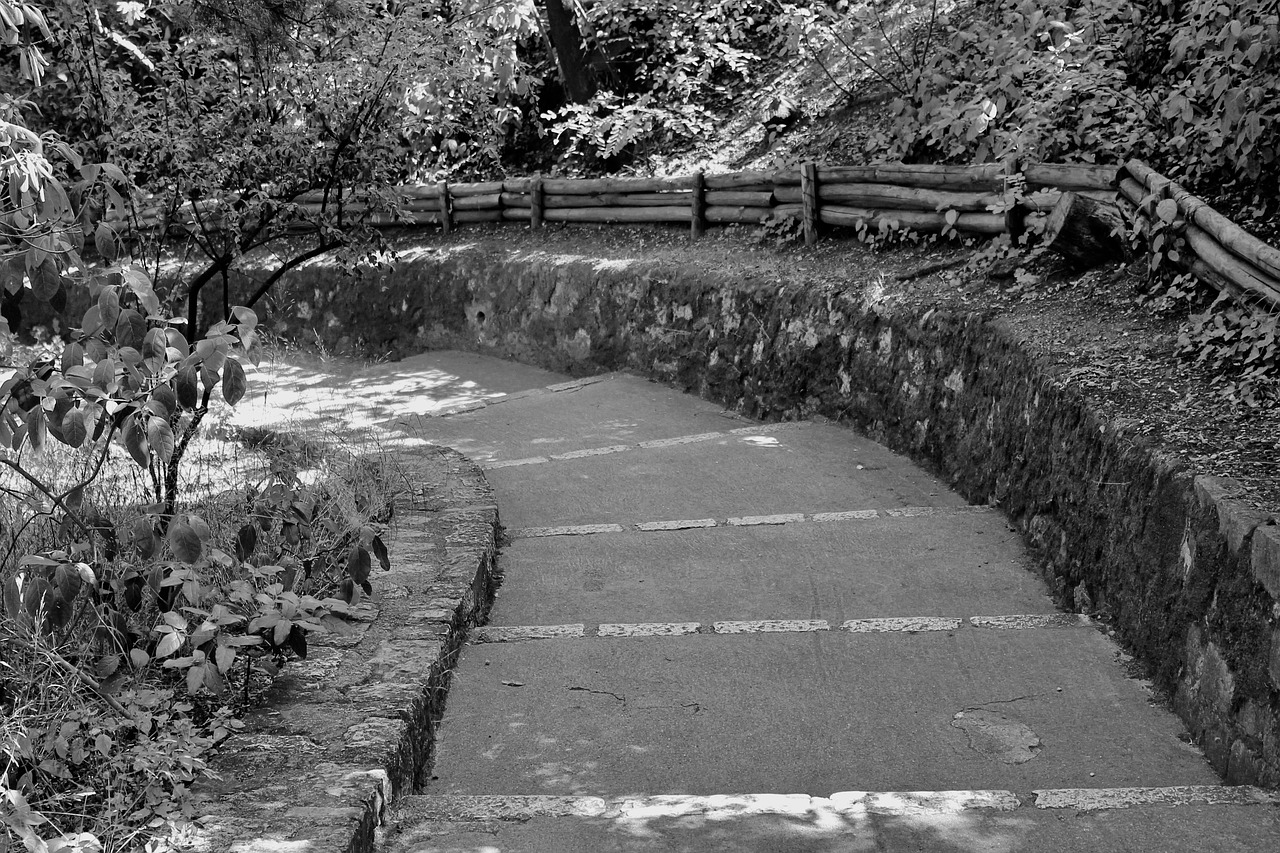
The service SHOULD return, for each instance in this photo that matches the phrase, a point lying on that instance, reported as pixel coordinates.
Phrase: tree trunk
(567, 43)
(1085, 231)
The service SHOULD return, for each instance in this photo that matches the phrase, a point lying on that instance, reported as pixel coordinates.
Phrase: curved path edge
(1186, 576)
(346, 731)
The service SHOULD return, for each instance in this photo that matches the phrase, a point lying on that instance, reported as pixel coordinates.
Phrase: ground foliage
(132, 618)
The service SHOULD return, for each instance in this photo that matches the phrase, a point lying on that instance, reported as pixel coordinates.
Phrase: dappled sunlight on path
(345, 399)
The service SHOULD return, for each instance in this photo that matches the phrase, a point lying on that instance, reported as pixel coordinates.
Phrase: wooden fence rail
(983, 200)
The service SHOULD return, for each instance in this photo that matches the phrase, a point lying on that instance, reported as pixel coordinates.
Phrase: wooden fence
(984, 200)
(1216, 250)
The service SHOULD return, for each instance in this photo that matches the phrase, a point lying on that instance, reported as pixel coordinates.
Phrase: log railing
(1222, 254)
(984, 200)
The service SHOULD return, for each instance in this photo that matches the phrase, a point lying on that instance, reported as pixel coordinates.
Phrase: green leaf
(135, 441)
(45, 280)
(224, 657)
(12, 598)
(380, 551)
(160, 437)
(131, 329)
(169, 644)
(106, 242)
(184, 385)
(166, 398)
(1167, 210)
(68, 579)
(142, 536)
(74, 431)
(246, 542)
(72, 356)
(233, 381)
(184, 541)
(359, 566)
(36, 428)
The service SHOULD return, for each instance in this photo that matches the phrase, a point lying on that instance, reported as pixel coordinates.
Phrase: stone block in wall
(1265, 558)
(1235, 520)
(1274, 669)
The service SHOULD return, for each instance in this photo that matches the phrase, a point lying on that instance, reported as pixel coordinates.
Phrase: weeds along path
(716, 634)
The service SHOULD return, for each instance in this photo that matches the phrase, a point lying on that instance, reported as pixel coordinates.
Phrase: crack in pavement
(622, 699)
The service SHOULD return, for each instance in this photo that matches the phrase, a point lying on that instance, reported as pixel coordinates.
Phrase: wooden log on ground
(786, 211)
(348, 208)
(739, 180)
(1226, 264)
(420, 191)
(955, 178)
(491, 201)
(617, 200)
(895, 197)
(516, 200)
(1085, 231)
(517, 214)
(1145, 175)
(618, 214)
(478, 216)
(445, 218)
(643, 199)
(1232, 237)
(589, 186)
(407, 191)
(1043, 202)
(809, 202)
(537, 203)
(914, 220)
(742, 215)
(558, 200)
(406, 218)
(481, 188)
(1133, 192)
(1072, 176)
(740, 198)
(698, 207)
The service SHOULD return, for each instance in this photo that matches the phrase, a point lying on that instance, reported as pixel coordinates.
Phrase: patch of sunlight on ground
(345, 399)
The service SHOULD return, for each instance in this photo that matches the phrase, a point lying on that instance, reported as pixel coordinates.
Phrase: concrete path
(714, 634)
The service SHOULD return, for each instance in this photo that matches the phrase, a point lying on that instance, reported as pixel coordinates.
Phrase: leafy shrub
(1188, 86)
(1240, 348)
(662, 64)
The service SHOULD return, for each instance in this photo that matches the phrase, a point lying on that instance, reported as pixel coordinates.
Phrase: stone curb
(346, 731)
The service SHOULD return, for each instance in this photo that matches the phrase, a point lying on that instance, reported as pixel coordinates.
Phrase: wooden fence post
(698, 207)
(444, 207)
(535, 202)
(809, 202)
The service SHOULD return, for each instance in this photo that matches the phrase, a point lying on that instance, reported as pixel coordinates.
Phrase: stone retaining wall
(1187, 577)
(349, 729)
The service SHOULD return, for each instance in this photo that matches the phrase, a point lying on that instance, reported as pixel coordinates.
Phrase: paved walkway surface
(715, 634)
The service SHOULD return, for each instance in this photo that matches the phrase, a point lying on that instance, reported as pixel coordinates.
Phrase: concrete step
(813, 712)
(819, 468)
(619, 410)
(1205, 820)
(937, 565)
